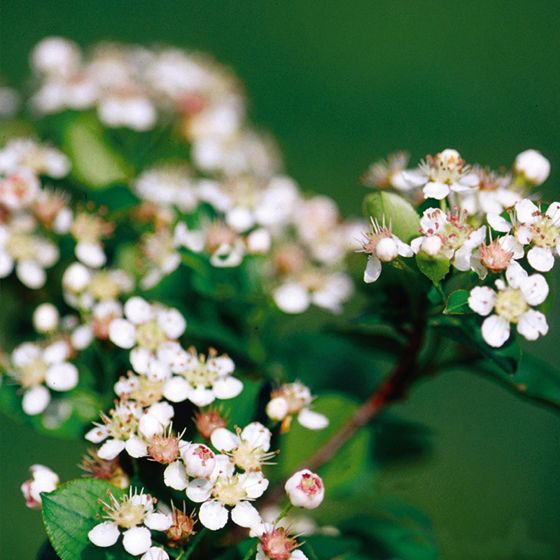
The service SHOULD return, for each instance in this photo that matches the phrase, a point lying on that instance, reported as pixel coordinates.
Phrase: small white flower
(293, 399)
(305, 489)
(511, 304)
(533, 166)
(382, 246)
(155, 553)
(43, 480)
(134, 515)
(127, 110)
(55, 56)
(198, 378)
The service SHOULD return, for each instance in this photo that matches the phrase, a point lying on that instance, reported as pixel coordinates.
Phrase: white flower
(145, 328)
(382, 246)
(134, 515)
(155, 553)
(133, 111)
(34, 365)
(442, 174)
(55, 56)
(224, 489)
(198, 378)
(511, 304)
(305, 489)
(19, 188)
(248, 448)
(43, 480)
(119, 431)
(533, 166)
(24, 155)
(291, 399)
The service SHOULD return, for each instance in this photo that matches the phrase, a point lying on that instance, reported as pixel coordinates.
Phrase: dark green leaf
(457, 303)
(435, 268)
(69, 513)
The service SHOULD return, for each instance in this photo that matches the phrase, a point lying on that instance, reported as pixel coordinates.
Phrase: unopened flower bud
(305, 489)
(206, 421)
(45, 318)
(386, 249)
(182, 528)
(432, 245)
(277, 409)
(533, 166)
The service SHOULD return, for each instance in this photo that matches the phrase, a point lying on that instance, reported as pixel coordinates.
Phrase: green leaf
(534, 379)
(69, 513)
(457, 303)
(93, 161)
(435, 268)
(466, 331)
(396, 211)
(353, 460)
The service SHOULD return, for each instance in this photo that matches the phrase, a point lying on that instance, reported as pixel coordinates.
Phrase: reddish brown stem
(394, 387)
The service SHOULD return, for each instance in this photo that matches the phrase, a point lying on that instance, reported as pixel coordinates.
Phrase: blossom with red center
(305, 489)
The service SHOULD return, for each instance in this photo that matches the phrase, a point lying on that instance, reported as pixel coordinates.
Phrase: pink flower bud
(305, 489)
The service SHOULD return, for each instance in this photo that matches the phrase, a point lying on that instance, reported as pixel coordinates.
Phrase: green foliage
(94, 163)
(393, 210)
(435, 268)
(353, 461)
(457, 303)
(69, 513)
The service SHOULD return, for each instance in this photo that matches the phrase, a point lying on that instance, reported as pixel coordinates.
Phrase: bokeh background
(340, 84)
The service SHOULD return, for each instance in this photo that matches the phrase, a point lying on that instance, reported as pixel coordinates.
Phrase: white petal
(312, 420)
(224, 440)
(97, 434)
(495, 331)
(199, 490)
(254, 484)
(172, 323)
(138, 310)
(298, 555)
(122, 333)
(515, 274)
(105, 534)
(541, 258)
(91, 254)
(227, 388)
(6, 264)
(158, 521)
(137, 540)
(136, 447)
(481, 300)
(373, 270)
(245, 515)
(292, 298)
(436, 190)
(110, 449)
(277, 409)
(140, 359)
(201, 396)
(35, 400)
(62, 377)
(213, 515)
(526, 211)
(498, 223)
(31, 274)
(257, 435)
(534, 289)
(532, 324)
(177, 389)
(156, 553)
(175, 476)
(404, 249)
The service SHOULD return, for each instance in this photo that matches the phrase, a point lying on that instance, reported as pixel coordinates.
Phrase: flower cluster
(486, 222)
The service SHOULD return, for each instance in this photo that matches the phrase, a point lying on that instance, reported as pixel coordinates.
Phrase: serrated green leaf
(395, 210)
(93, 161)
(457, 303)
(353, 460)
(435, 268)
(69, 513)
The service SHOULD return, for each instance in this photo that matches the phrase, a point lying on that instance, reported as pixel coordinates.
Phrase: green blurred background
(340, 84)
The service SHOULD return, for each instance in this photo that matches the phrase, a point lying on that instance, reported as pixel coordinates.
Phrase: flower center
(249, 458)
(200, 375)
(545, 233)
(164, 449)
(510, 304)
(228, 491)
(21, 246)
(103, 287)
(33, 373)
(277, 545)
(310, 484)
(129, 515)
(149, 335)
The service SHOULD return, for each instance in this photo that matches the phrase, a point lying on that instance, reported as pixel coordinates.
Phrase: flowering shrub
(177, 280)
